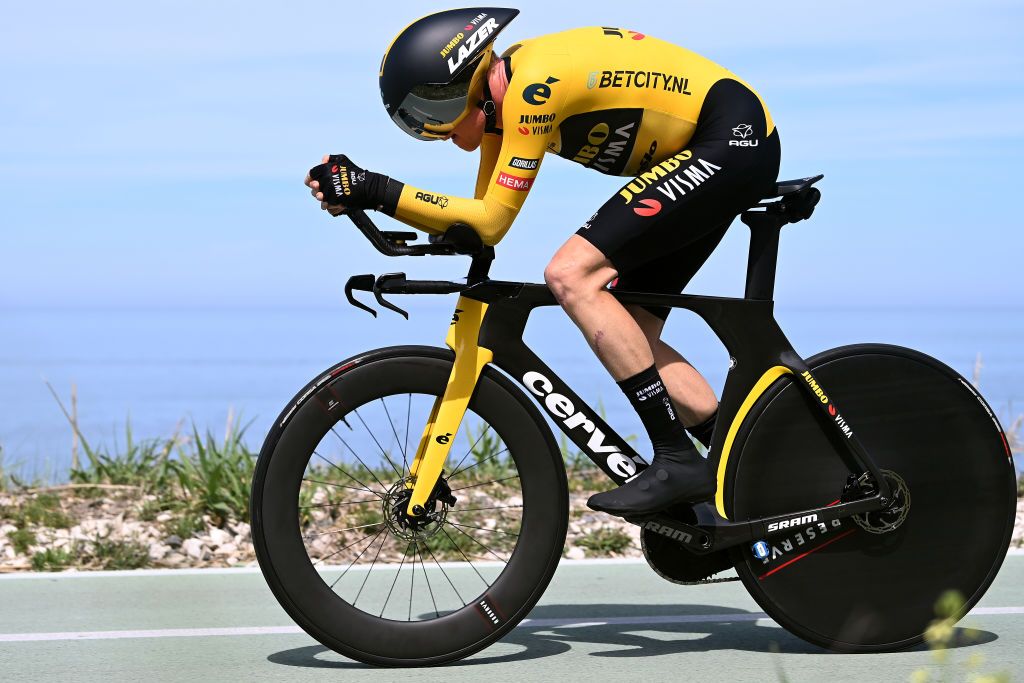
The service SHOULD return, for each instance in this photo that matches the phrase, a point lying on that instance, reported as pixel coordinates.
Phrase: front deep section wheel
(870, 583)
(329, 512)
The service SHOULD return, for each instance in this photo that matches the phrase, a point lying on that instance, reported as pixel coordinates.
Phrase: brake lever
(382, 281)
(363, 283)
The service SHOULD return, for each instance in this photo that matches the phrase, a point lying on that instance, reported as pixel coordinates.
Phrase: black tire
(281, 546)
(839, 585)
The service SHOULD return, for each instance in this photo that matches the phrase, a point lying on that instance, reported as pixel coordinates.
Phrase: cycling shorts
(663, 225)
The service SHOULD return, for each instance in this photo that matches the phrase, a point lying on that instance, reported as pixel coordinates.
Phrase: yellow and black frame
(488, 324)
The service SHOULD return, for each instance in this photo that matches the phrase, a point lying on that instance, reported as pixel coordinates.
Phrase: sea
(163, 369)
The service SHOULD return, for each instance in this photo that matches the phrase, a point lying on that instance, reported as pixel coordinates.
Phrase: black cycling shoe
(671, 479)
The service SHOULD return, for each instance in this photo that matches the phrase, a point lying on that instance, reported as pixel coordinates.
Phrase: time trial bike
(409, 505)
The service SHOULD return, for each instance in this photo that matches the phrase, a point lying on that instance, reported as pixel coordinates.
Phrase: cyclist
(699, 143)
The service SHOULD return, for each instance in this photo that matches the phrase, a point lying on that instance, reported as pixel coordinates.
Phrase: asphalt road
(615, 621)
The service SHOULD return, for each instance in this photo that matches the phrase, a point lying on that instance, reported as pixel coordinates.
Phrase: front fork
(449, 409)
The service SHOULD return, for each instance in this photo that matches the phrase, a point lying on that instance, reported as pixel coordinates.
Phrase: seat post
(764, 253)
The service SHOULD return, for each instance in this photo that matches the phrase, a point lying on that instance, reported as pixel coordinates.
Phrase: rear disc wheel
(870, 583)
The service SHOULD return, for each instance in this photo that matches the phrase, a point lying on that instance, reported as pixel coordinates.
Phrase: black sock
(704, 430)
(649, 398)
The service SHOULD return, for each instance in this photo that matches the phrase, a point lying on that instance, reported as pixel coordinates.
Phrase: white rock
(241, 529)
(174, 558)
(226, 549)
(193, 547)
(164, 517)
(7, 528)
(219, 536)
(576, 553)
(158, 551)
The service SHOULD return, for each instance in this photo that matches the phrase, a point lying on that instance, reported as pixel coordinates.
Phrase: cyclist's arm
(518, 160)
(490, 147)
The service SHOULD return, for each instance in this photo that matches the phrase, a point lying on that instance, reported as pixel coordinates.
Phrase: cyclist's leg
(693, 397)
(696, 192)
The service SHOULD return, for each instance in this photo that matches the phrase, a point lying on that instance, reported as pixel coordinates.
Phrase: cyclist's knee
(571, 281)
(566, 279)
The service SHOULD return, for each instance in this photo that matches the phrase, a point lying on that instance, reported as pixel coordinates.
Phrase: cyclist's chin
(464, 143)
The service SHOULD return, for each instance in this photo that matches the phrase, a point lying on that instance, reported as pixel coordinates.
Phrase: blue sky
(152, 153)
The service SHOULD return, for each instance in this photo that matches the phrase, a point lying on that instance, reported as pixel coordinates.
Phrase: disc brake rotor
(892, 517)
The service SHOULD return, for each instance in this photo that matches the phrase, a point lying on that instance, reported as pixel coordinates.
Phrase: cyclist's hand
(314, 188)
(338, 184)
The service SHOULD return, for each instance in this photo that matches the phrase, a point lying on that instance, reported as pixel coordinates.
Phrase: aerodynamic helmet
(433, 67)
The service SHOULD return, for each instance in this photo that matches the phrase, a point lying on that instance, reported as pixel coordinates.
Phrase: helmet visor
(430, 112)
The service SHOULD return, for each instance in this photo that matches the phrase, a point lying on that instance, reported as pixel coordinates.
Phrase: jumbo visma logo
(670, 183)
(836, 416)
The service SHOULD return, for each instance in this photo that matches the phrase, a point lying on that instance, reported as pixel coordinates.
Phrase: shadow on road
(626, 640)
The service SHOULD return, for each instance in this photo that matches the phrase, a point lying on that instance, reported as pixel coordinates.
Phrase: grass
(120, 554)
(184, 525)
(43, 510)
(605, 541)
(214, 476)
(53, 560)
(21, 539)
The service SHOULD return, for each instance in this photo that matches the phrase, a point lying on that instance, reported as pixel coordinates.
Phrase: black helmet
(431, 67)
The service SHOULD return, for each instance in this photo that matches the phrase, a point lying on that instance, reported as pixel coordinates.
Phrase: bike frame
(487, 327)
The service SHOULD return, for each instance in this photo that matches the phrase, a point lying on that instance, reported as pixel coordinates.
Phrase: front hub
(421, 526)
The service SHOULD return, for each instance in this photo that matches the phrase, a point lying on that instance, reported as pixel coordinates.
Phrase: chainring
(673, 562)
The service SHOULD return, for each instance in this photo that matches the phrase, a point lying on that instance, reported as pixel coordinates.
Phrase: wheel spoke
(387, 532)
(412, 582)
(445, 576)
(426, 577)
(327, 557)
(408, 412)
(493, 481)
(334, 505)
(393, 583)
(381, 448)
(338, 467)
(496, 507)
(356, 559)
(483, 528)
(502, 559)
(484, 431)
(338, 531)
(479, 462)
(345, 443)
(405, 457)
(461, 552)
(342, 486)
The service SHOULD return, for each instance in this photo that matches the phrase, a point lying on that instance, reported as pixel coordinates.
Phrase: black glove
(344, 183)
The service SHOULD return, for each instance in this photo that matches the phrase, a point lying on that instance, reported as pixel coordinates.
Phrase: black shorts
(663, 225)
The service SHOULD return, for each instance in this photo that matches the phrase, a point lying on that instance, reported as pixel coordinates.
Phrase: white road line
(526, 623)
